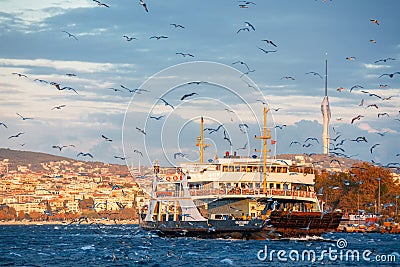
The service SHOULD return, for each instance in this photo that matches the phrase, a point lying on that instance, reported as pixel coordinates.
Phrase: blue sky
(33, 43)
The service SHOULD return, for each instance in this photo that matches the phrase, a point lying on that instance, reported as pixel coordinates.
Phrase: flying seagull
(356, 118)
(267, 51)
(58, 107)
(243, 29)
(129, 38)
(100, 3)
(314, 73)
(19, 74)
(180, 154)
(144, 5)
(185, 54)
(24, 118)
(61, 147)
(166, 103)
(372, 147)
(2, 123)
(84, 154)
(158, 37)
(248, 24)
(106, 138)
(374, 21)
(188, 95)
(157, 118)
(14, 136)
(384, 59)
(269, 42)
(177, 25)
(140, 130)
(389, 74)
(71, 35)
(137, 151)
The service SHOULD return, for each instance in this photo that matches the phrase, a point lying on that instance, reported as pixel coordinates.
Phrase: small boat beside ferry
(237, 197)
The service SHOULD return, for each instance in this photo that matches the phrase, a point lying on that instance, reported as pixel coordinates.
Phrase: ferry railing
(250, 191)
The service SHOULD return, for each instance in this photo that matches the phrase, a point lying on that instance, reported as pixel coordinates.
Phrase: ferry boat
(239, 197)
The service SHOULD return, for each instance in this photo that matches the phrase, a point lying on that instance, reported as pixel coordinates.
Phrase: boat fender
(175, 178)
(168, 178)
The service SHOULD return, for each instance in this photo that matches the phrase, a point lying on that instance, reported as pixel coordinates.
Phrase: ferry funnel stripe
(167, 108)
(341, 243)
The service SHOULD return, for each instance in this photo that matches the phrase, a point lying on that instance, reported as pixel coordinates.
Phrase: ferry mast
(200, 141)
(266, 135)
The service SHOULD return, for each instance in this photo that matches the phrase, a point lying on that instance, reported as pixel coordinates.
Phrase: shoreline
(106, 222)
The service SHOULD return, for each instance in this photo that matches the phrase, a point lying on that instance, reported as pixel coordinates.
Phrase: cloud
(79, 66)
(374, 66)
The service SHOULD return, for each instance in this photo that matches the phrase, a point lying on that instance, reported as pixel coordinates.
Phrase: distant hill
(321, 161)
(34, 160)
(20, 157)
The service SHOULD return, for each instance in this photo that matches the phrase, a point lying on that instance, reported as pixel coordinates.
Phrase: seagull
(61, 147)
(242, 63)
(269, 42)
(41, 81)
(19, 74)
(340, 89)
(84, 154)
(24, 118)
(137, 151)
(384, 59)
(360, 139)
(180, 154)
(166, 103)
(59, 107)
(372, 147)
(267, 51)
(63, 88)
(100, 3)
(211, 130)
(314, 73)
(373, 105)
(280, 126)
(177, 25)
(389, 74)
(118, 157)
(294, 142)
(355, 86)
(243, 29)
(248, 24)
(288, 77)
(372, 41)
(356, 118)
(129, 38)
(106, 138)
(188, 95)
(227, 139)
(350, 58)
(71, 35)
(70, 74)
(158, 37)
(144, 5)
(185, 54)
(2, 123)
(374, 21)
(115, 89)
(383, 114)
(311, 138)
(244, 147)
(140, 130)
(276, 109)
(14, 136)
(157, 118)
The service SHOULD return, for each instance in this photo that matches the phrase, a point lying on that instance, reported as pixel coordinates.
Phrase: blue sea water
(128, 245)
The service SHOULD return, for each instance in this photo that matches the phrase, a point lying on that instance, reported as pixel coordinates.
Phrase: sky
(234, 77)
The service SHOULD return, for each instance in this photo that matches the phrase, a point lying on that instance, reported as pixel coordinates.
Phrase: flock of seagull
(246, 69)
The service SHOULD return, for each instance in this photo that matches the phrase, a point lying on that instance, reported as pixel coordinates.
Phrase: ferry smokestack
(326, 114)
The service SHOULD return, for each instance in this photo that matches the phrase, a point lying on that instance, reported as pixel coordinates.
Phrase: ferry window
(284, 169)
(255, 169)
(237, 168)
(249, 169)
(278, 186)
(250, 185)
(231, 168)
(271, 185)
(261, 169)
(243, 168)
(285, 186)
(224, 168)
(273, 169)
(228, 185)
